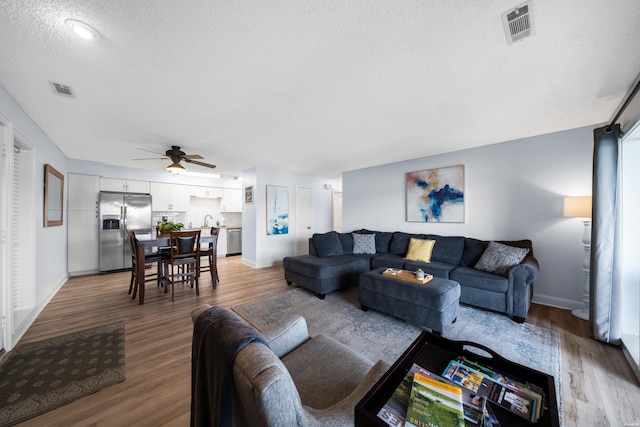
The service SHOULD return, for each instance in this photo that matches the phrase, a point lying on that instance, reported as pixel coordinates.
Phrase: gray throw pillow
(499, 258)
(364, 243)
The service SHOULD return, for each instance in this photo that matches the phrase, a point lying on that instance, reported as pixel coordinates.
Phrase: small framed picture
(248, 195)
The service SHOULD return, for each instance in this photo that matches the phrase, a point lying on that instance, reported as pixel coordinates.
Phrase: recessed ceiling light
(82, 30)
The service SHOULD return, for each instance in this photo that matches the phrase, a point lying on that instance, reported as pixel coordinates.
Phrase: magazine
(393, 413)
(514, 400)
(434, 403)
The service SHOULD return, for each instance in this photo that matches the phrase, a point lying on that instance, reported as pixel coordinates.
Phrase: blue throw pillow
(327, 244)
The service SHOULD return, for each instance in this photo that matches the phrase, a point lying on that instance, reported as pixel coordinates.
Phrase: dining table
(146, 243)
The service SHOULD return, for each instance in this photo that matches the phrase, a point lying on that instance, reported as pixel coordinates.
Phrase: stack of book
(523, 399)
(459, 397)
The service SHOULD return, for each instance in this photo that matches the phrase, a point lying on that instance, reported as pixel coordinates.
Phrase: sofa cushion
(420, 249)
(364, 243)
(473, 250)
(383, 238)
(337, 371)
(327, 244)
(448, 249)
(499, 258)
(438, 269)
(387, 260)
(346, 239)
(325, 267)
(473, 278)
(400, 242)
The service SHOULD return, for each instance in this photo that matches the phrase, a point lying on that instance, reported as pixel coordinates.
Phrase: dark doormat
(41, 376)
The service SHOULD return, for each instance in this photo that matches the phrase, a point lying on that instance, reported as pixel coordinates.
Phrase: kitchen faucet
(206, 222)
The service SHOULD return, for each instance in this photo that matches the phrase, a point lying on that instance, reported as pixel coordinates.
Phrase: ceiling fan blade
(193, 156)
(152, 158)
(154, 152)
(195, 162)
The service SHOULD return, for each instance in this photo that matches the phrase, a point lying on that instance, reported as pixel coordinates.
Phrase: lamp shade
(577, 207)
(175, 168)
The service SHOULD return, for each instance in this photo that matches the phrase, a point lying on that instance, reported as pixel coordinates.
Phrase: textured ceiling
(314, 87)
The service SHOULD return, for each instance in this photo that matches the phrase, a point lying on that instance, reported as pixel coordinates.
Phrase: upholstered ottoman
(433, 305)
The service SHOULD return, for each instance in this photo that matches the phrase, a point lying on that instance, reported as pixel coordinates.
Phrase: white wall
(513, 190)
(51, 254)
(260, 250)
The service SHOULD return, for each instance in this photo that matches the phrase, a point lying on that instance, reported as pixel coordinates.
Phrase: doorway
(17, 224)
(303, 220)
(336, 210)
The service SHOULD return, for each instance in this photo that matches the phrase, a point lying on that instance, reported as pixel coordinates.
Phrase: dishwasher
(234, 241)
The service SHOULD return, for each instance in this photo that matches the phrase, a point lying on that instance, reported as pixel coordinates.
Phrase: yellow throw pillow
(420, 250)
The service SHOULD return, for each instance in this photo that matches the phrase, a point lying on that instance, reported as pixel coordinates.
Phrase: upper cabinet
(124, 185)
(210, 192)
(83, 192)
(170, 197)
(231, 200)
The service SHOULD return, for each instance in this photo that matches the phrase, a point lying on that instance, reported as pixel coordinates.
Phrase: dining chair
(210, 250)
(150, 257)
(182, 259)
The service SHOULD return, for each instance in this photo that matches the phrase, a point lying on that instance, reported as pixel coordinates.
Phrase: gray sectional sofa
(332, 264)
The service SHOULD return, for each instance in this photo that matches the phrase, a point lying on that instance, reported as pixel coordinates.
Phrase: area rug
(38, 377)
(379, 336)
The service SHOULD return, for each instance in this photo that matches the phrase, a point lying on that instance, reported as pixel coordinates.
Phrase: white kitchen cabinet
(83, 227)
(83, 192)
(222, 243)
(231, 200)
(170, 197)
(83, 242)
(124, 185)
(207, 192)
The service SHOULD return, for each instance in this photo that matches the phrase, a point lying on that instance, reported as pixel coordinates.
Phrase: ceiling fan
(176, 155)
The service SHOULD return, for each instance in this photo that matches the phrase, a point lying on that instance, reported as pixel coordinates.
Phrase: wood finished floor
(599, 388)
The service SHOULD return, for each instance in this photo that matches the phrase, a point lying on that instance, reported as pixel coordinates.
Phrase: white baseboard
(18, 332)
(557, 302)
(248, 263)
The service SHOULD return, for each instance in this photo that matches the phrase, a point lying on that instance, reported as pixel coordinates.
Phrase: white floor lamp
(580, 207)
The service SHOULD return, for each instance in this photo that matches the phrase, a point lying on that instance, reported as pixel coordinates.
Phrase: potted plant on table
(419, 274)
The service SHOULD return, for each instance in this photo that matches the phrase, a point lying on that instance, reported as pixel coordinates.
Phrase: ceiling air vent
(518, 22)
(63, 90)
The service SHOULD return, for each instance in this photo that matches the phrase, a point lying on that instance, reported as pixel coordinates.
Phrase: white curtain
(606, 233)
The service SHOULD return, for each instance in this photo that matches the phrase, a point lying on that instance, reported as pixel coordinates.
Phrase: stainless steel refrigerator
(120, 213)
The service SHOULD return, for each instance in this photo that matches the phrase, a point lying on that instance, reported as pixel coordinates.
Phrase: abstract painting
(277, 210)
(436, 195)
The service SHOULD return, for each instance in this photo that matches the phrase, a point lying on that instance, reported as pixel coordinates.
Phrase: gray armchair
(299, 380)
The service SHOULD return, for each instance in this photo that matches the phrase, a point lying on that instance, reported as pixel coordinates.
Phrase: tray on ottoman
(407, 275)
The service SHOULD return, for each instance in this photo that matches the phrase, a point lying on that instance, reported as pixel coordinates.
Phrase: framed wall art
(435, 195)
(248, 195)
(53, 196)
(277, 210)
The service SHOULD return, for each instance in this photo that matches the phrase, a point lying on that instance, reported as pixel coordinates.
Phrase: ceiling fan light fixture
(82, 30)
(175, 168)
